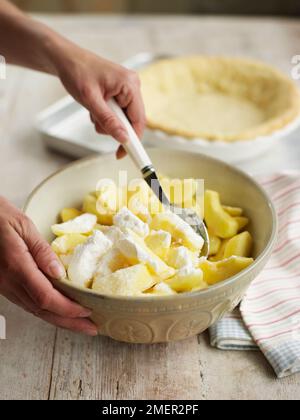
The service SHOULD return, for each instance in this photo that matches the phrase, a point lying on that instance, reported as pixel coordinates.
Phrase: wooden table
(38, 361)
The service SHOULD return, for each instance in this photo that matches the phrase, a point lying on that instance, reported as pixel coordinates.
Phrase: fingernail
(56, 270)
(120, 154)
(85, 313)
(93, 332)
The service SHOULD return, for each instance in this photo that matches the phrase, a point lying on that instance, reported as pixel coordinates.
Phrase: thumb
(42, 253)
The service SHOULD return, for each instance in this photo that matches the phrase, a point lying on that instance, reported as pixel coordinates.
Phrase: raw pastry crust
(218, 98)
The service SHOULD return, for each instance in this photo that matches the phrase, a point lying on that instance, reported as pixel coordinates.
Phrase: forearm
(90, 79)
(28, 43)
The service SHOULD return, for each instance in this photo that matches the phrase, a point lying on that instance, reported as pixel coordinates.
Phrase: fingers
(131, 101)
(22, 270)
(23, 283)
(83, 326)
(41, 251)
(46, 297)
(76, 324)
(125, 96)
(99, 129)
(19, 297)
(106, 121)
(13, 298)
(128, 96)
(121, 152)
(135, 113)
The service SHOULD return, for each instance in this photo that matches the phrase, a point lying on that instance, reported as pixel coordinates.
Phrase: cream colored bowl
(160, 319)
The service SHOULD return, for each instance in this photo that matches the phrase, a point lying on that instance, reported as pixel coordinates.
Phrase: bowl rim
(187, 295)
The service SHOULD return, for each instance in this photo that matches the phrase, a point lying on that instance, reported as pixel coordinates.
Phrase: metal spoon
(138, 154)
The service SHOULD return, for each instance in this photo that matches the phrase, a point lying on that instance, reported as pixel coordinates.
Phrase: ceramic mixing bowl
(160, 319)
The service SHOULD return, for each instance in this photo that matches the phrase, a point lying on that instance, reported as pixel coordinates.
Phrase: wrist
(60, 52)
(53, 50)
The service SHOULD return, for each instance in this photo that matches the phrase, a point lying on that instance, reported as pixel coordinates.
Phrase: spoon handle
(134, 147)
(138, 154)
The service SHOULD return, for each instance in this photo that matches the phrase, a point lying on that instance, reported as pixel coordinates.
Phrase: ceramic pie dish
(227, 107)
(170, 318)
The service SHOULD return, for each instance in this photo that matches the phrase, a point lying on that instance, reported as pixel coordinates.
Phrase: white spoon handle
(134, 147)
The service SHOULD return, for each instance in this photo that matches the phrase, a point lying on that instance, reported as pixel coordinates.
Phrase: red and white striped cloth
(271, 309)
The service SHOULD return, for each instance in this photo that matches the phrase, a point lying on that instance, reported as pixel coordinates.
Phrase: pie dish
(218, 99)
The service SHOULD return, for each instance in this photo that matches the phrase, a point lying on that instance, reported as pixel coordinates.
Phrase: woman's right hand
(26, 263)
(92, 81)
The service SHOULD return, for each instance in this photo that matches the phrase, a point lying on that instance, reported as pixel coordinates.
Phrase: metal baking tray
(66, 127)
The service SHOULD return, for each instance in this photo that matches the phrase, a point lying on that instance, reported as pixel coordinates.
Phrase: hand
(25, 262)
(92, 81)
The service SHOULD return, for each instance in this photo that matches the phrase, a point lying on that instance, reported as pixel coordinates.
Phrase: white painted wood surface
(39, 362)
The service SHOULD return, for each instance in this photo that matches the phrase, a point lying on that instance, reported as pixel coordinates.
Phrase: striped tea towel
(269, 316)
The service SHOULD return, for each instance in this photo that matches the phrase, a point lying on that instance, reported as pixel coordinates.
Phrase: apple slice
(86, 257)
(83, 224)
(132, 281)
